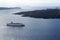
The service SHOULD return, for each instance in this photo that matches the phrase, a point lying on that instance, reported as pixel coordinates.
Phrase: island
(47, 13)
(5, 8)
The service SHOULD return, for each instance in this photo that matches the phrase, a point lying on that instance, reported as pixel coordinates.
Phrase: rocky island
(47, 13)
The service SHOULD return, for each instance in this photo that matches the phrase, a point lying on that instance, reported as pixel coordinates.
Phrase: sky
(28, 3)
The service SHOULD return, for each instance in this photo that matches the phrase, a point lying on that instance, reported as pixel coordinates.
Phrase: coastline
(46, 14)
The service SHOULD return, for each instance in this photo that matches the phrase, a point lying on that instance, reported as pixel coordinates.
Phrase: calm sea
(35, 29)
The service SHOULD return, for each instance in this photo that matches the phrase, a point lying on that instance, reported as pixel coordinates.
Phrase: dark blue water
(35, 29)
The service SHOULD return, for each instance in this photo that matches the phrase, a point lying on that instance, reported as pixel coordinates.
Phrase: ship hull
(15, 25)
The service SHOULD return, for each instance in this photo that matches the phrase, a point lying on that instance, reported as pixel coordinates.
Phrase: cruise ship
(15, 24)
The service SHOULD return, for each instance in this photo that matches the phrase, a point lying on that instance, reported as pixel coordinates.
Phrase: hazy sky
(28, 3)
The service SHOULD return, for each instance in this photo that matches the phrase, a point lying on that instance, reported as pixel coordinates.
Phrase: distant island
(47, 13)
(4, 8)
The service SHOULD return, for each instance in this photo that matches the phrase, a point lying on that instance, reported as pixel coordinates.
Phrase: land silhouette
(5, 8)
(47, 13)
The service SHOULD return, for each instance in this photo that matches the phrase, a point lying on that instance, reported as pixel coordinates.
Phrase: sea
(34, 29)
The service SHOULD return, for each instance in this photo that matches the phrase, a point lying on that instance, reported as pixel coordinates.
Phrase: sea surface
(35, 28)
